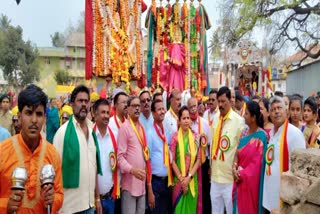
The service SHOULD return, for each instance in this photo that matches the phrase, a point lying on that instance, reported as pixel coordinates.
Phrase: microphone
(18, 178)
(47, 176)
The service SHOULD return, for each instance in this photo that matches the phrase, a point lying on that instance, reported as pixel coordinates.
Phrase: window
(47, 60)
(74, 49)
(279, 85)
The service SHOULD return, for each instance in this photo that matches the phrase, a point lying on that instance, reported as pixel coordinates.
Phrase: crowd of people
(136, 154)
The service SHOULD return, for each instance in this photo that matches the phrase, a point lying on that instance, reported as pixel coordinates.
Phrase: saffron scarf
(146, 152)
(71, 156)
(113, 165)
(217, 138)
(166, 157)
(193, 154)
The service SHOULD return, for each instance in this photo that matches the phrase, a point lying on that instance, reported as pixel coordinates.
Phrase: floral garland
(117, 39)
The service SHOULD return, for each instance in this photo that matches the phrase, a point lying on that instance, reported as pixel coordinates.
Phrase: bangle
(97, 199)
(235, 164)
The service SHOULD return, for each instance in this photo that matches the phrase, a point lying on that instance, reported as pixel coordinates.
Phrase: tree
(57, 39)
(292, 23)
(62, 77)
(17, 57)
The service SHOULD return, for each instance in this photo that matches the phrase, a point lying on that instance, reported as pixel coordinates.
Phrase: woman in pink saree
(249, 164)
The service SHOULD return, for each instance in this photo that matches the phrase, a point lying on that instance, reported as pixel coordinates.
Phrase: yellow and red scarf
(146, 152)
(193, 155)
(217, 138)
(113, 164)
(166, 157)
(117, 121)
(204, 145)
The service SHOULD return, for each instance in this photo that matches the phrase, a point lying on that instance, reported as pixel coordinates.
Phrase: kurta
(15, 153)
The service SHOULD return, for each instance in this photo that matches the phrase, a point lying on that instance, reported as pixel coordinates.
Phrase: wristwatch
(190, 176)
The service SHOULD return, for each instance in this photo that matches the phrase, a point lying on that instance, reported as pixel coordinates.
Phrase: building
(304, 80)
(70, 58)
(279, 80)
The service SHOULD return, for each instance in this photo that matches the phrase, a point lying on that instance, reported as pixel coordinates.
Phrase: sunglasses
(66, 118)
(145, 100)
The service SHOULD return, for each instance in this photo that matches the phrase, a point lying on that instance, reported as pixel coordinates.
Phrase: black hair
(213, 91)
(153, 104)
(132, 98)
(265, 102)
(77, 90)
(311, 101)
(181, 110)
(254, 110)
(239, 96)
(156, 94)
(295, 98)
(256, 97)
(278, 93)
(143, 92)
(100, 102)
(115, 99)
(33, 96)
(224, 90)
(298, 95)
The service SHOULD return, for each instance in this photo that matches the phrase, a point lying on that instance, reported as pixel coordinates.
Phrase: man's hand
(15, 200)
(98, 207)
(47, 193)
(151, 198)
(138, 173)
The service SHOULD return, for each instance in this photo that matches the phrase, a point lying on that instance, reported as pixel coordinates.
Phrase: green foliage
(17, 57)
(57, 39)
(62, 77)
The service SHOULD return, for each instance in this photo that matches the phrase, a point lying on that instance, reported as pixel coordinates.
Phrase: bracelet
(97, 199)
(235, 164)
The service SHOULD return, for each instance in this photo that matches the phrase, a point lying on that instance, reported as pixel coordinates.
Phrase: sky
(41, 18)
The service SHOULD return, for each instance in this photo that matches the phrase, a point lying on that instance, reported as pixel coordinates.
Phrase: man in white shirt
(146, 118)
(200, 126)
(107, 184)
(213, 107)
(120, 105)
(75, 142)
(293, 138)
(171, 118)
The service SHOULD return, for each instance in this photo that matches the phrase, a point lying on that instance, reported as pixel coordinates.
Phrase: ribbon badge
(224, 146)
(269, 156)
(203, 139)
(146, 153)
(113, 161)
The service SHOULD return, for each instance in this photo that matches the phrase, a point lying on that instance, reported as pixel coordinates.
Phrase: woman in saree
(185, 161)
(249, 164)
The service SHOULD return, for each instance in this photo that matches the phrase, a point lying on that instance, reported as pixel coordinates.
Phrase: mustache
(221, 108)
(33, 127)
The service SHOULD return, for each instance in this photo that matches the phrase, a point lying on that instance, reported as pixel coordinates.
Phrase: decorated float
(176, 53)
